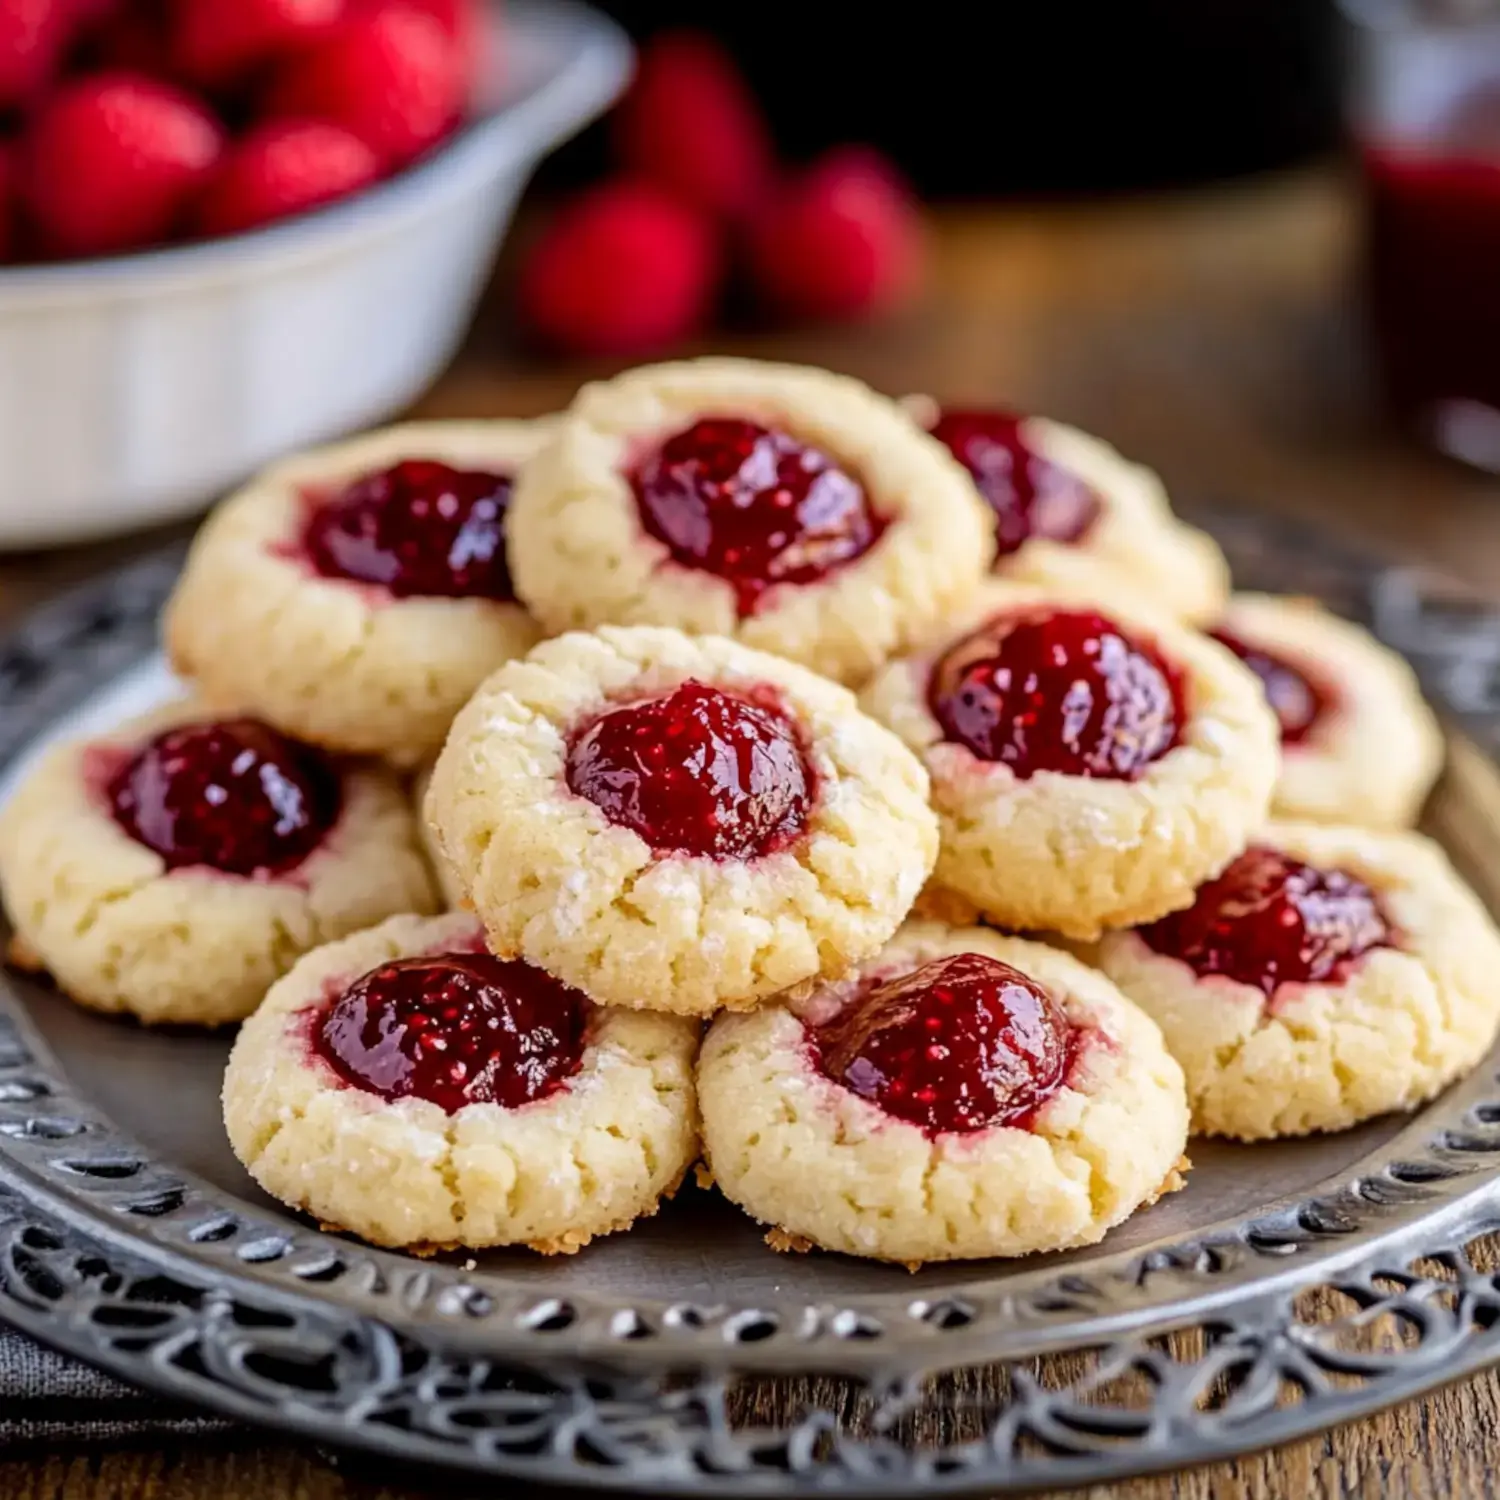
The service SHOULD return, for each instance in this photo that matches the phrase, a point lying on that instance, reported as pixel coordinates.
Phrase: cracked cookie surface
(823, 1165)
(590, 900)
(337, 661)
(586, 1160)
(120, 931)
(582, 555)
(1415, 1009)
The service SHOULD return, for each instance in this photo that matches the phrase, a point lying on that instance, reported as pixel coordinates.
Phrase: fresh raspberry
(131, 37)
(33, 34)
(691, 123)
(623, 269)
(217, 42)
(281, 168)
(843, 240)
(112, 161)
(461, 19)
(393, 77)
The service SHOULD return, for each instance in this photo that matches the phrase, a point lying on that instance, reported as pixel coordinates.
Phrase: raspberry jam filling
(455, 1029)
(1297, 701)
(235, 796)
(752, 505)
(697, 771)
(418, 529)
(1058, 690)
(963, 1043)
(1030, 495)
(1270, 920)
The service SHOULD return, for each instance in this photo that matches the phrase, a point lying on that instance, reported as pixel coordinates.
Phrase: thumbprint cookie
(1328, 975)
(679, 823)
(1090, 767)
(409, 1087)
(794, 510)
(1358, 744)
(356, 595)
(177, 866)
(961, 1095)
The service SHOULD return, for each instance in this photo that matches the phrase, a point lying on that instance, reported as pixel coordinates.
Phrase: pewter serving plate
(1288, 1287)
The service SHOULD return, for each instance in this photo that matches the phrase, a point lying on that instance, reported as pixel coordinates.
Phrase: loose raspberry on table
(623, 269)
(842, 240)
(690, 123)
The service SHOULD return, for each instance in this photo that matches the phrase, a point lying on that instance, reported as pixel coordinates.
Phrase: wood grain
(1209, 335)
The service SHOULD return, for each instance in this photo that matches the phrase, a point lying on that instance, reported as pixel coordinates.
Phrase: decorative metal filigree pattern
(1246, 1334)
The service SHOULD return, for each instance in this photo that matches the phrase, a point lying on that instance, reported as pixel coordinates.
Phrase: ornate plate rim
(1431, 1185)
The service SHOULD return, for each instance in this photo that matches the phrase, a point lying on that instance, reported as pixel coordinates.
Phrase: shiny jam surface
(960, 1044)
(455, 1029)
(419, 529)
(697, 771)
(234, 796)
(1058, 690)
(752, 505)
(1270, 920)
(1297, 701)
(1030, 495)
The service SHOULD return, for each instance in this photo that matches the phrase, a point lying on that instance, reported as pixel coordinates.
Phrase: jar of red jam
(1426, 117)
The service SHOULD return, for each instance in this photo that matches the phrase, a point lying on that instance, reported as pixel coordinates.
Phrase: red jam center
(752, 505)
(962, 1043)
(235, 796)
(1297, 701)
(420, 528)
(1030, 495)
(1269, 920)
(1064, 691)
(455, 1029)
(697, 771)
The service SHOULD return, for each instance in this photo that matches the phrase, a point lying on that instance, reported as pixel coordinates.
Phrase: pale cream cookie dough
(1330, 975)
(123, 930)
(1068, 852)
(679, 823)
(1076, 513)
(796, 1128)
(449, 886)
(867, 575)
(1358, 743)
(340, 661)
(606, 1135)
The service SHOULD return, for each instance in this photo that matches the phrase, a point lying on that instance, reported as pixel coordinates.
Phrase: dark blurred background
(975, 99)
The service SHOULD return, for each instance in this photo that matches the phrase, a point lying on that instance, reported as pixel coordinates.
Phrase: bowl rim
(516, 131)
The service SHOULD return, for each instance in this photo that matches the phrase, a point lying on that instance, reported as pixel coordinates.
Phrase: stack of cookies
(882, 806)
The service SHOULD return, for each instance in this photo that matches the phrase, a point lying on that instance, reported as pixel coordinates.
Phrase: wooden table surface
(1210, 335)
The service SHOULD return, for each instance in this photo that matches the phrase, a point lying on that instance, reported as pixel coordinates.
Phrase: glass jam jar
(1426, 119)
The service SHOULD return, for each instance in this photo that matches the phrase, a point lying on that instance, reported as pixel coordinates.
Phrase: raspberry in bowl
(344, 266)
(1090, 765)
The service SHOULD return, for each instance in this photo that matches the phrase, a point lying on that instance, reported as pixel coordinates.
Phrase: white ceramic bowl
(137, 389)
